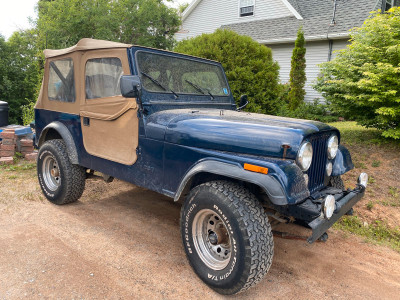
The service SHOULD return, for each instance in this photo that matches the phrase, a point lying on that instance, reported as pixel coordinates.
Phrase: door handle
(86, 121)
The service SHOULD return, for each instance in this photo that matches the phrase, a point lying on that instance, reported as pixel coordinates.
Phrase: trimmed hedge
(249, 66)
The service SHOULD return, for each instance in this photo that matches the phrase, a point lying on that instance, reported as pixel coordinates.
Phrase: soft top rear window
(61, 85)
(162, 73)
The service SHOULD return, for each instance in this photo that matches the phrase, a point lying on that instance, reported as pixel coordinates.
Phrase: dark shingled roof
(317, 16)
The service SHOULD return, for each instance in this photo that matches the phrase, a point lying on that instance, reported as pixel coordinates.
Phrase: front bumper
(343, 204)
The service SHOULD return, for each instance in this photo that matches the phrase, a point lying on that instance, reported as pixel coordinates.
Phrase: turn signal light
(256, 169)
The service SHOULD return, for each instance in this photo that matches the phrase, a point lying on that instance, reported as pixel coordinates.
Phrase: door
(110, 124)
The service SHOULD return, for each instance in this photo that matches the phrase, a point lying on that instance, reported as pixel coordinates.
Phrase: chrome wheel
(211, 239)
(51, 173)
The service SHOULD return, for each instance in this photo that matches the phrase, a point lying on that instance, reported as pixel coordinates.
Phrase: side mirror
(243, 102)
(130, 86)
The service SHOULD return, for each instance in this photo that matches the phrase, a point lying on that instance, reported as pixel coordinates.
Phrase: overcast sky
(15, 13)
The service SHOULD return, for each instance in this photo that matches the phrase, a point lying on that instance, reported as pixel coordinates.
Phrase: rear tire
(226, 236)
(61, 181)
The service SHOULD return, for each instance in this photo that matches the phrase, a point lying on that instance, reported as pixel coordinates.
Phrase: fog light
(363, 179)
(329, 169)
(329, 206)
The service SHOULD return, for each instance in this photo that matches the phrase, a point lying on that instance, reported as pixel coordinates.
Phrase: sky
(14, 15)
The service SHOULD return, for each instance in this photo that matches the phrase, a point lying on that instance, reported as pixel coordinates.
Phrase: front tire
(226, 236)
(61, 181)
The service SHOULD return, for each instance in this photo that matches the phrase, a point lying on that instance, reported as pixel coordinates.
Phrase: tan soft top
(85, 44)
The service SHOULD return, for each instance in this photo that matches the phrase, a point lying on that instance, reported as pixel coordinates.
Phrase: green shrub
(298, 72)
(28, 113)
(362, 82)
(307, 110)
(249, 66)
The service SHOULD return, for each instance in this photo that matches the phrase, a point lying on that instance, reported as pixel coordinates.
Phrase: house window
(388, 4)
(246, 8)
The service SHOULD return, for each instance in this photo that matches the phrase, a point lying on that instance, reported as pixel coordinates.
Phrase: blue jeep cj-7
(168, 122)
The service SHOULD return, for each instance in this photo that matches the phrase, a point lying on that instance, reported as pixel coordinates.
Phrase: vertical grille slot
(316, 172)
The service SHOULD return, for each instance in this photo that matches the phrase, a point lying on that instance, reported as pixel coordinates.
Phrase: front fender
(66, 136)
(343, 162)
(269, 184)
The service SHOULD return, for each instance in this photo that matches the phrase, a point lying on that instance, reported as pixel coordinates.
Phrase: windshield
(164, 73)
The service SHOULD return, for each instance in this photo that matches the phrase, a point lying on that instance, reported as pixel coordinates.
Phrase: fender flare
(269, 184)
(66, 136)
(343, 162)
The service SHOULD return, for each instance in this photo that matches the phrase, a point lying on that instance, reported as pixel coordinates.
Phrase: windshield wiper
(155, 81)
(199, 89)
(196, 87)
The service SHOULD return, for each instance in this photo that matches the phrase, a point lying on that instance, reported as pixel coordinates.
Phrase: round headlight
(304, 156)
(333, 146)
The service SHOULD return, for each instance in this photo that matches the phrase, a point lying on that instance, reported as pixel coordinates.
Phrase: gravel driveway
(121, 241)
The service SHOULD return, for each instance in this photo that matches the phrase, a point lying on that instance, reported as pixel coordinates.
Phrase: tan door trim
(113, 129)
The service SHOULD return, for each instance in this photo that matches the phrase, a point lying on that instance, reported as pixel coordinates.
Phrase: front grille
(316, 172)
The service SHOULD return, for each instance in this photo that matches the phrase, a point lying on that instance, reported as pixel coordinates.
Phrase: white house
(326, 24)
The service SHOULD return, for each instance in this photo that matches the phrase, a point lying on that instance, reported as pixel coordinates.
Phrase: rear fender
(66, 135)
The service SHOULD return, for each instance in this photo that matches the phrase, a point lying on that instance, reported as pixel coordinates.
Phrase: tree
(298, 72)
(248, 65)
(62, 23)
(182, 7)
(362, 82)
(19, 72)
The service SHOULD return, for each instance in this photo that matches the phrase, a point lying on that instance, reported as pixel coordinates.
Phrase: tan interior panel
(111, 130)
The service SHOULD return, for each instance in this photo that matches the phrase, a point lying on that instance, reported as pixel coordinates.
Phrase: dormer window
(388, 4)
(246, 8)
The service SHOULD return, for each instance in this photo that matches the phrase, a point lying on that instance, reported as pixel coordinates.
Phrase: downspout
(382, 5)
(333, 23)
(330, 49)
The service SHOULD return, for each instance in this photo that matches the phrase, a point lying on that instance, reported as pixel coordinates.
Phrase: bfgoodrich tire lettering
(61, 181)
(250, 238)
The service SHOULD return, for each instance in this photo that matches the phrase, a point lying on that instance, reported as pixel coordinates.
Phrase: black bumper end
(320, 225)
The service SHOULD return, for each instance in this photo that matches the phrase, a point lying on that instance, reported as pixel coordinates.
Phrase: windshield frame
(206, 96)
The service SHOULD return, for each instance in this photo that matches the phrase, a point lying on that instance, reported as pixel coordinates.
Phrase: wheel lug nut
(213, 238)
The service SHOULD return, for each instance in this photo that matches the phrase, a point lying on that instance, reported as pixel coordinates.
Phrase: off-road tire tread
(75, 174)
(336, 182)
(254, 220)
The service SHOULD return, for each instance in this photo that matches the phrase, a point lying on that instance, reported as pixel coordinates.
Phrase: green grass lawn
(375, 155)
(356, 135)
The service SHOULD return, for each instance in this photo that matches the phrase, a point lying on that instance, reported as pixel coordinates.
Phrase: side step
(105, 177)
(288, 236)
